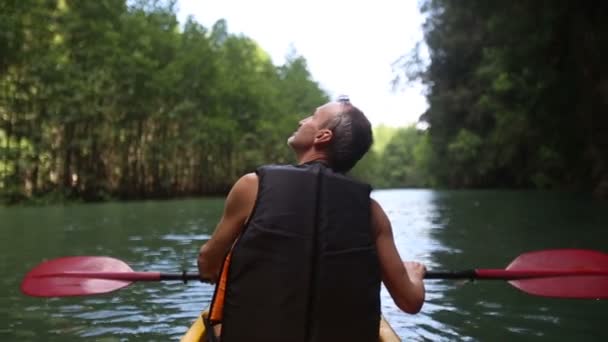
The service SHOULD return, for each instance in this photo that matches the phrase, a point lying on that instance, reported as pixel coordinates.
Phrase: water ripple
(442, 230)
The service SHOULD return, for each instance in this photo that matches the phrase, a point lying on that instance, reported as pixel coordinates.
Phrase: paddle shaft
(502, 274)
(496, 274)
(125, 276)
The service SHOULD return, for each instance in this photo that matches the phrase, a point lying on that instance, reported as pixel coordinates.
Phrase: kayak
(197, 331)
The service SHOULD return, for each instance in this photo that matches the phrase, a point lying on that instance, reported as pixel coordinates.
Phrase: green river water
(447, 230)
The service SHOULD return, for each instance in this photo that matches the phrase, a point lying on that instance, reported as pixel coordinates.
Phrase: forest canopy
(517, 93)
(105, 100)
(115, 99)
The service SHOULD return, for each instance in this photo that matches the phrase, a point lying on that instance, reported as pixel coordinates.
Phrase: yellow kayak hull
(197, 331)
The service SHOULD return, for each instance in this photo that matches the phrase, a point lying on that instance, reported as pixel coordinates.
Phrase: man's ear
(324, 136)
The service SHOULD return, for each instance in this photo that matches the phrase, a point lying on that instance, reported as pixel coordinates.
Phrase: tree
(526, 95)
(106, 99)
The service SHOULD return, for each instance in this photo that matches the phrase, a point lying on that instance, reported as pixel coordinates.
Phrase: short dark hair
(352, 137)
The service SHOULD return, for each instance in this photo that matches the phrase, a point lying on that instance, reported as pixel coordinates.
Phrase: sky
(349, 46)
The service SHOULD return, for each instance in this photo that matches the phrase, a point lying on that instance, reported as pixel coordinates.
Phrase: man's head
(336, 131)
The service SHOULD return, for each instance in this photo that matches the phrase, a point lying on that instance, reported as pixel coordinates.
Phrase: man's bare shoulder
(247, 182)
(376, 209)
(244, 191)
(380, 222)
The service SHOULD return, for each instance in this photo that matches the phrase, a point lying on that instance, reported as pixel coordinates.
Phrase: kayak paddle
(562, 273)
(87, 275)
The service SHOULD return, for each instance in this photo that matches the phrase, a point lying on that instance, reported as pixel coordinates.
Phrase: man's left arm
(237, 208)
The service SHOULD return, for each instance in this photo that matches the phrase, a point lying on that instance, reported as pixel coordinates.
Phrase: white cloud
(349, 45)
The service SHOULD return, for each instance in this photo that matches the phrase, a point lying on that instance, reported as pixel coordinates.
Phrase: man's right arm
(404, 281)
(238, 206)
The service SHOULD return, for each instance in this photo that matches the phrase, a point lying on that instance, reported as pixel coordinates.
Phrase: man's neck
(312, 156)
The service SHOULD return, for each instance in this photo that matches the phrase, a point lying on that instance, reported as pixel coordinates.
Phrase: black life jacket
(305, 268)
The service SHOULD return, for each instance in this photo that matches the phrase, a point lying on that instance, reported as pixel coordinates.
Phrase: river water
(446, 230)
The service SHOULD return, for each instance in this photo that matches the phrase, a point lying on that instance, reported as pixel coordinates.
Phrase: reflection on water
(149, 236)
(445, 230)
(487, 229)
(414, 217)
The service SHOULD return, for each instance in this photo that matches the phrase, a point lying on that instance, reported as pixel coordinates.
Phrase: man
(307, 246)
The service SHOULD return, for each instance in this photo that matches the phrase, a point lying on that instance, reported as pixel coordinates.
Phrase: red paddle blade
(571, 286)
(56, 278)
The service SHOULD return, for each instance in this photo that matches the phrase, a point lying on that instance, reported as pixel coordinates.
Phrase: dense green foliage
(107, 99)
(517, 93)
(400, 157)
(116, 99)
